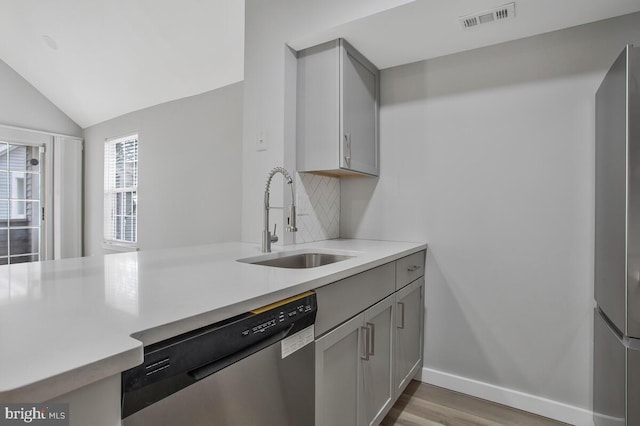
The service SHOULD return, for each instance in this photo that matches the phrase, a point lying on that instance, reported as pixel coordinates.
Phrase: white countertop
(67, 323)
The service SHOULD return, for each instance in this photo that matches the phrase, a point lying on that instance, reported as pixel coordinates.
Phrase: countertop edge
(164, 331)
(120, 360)
(68, 381)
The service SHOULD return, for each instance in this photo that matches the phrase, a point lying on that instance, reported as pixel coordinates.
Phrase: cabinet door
(377, 383)
(409, 333)
(359, 113)
(338, 374)
(317, 108)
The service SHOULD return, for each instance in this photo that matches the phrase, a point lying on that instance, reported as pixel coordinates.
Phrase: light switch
(261, 142)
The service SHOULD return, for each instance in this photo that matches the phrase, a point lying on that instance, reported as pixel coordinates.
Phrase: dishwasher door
(262, 389)
(256, 368)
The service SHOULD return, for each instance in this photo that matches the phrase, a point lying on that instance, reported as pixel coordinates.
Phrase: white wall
(24, 106)
(190, 171)
(269, 92)
(488, 155)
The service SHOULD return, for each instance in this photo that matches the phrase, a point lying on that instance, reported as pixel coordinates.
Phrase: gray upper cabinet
(337, 111)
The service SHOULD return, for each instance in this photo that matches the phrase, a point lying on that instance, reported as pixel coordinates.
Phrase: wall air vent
(501, 13)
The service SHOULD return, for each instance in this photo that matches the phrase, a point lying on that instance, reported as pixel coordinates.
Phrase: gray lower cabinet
(338, 374)
(354, 382)
(369, 339)
(409, 334)
(377, 394)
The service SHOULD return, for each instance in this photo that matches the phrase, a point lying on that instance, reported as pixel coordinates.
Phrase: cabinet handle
(347, 149)
(413, 268)
(365, 341)
(372, 344)
(401, 305)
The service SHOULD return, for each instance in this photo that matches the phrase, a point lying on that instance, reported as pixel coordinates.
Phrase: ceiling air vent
(469, 22)
(501, 13)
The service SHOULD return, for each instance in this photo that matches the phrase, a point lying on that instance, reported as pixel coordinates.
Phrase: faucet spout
(267, 238)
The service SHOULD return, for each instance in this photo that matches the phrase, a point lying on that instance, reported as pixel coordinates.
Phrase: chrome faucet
(267, 238)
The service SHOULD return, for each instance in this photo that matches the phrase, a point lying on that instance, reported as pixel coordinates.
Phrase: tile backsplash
(318, 204)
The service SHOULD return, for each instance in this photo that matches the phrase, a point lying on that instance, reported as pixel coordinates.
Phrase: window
(20, 218)
(18, 193)
(121, 191)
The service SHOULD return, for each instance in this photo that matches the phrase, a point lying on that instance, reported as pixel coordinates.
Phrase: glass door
(20, 202)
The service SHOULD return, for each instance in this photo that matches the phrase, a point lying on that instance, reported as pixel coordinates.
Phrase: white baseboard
(520, 400)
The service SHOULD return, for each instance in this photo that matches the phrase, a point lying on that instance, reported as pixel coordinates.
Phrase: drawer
(409, 268)
(339, 301)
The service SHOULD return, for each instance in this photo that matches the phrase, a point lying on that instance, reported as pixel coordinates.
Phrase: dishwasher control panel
(281, 314)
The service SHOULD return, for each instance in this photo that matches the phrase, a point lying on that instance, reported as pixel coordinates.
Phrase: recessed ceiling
(426, 29)
(96, 60)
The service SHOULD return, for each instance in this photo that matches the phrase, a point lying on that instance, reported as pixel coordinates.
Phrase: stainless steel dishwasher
(256, 368)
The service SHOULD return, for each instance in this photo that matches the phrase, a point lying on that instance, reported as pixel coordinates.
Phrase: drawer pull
(365, 341)
(372, 345)
(413, 268)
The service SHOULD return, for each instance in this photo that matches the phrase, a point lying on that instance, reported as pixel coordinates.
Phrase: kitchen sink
(297, 260)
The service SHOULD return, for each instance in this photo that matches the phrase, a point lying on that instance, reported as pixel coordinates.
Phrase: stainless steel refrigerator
(616, 360)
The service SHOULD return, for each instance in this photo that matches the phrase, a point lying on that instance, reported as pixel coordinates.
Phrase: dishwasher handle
(208, 369)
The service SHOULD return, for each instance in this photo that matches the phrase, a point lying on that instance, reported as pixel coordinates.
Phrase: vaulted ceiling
(99, 59)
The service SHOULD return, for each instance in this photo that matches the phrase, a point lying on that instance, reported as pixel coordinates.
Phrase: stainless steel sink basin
(304, 260)
(297, 260)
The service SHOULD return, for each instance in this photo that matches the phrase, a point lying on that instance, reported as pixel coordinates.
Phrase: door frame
(43, 139)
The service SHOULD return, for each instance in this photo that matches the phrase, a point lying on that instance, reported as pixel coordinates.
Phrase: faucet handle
(274, 237)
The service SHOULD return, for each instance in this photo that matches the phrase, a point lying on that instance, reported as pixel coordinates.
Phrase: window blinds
(121, 191)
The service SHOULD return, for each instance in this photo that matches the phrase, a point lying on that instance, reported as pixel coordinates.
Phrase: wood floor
(422, 404)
